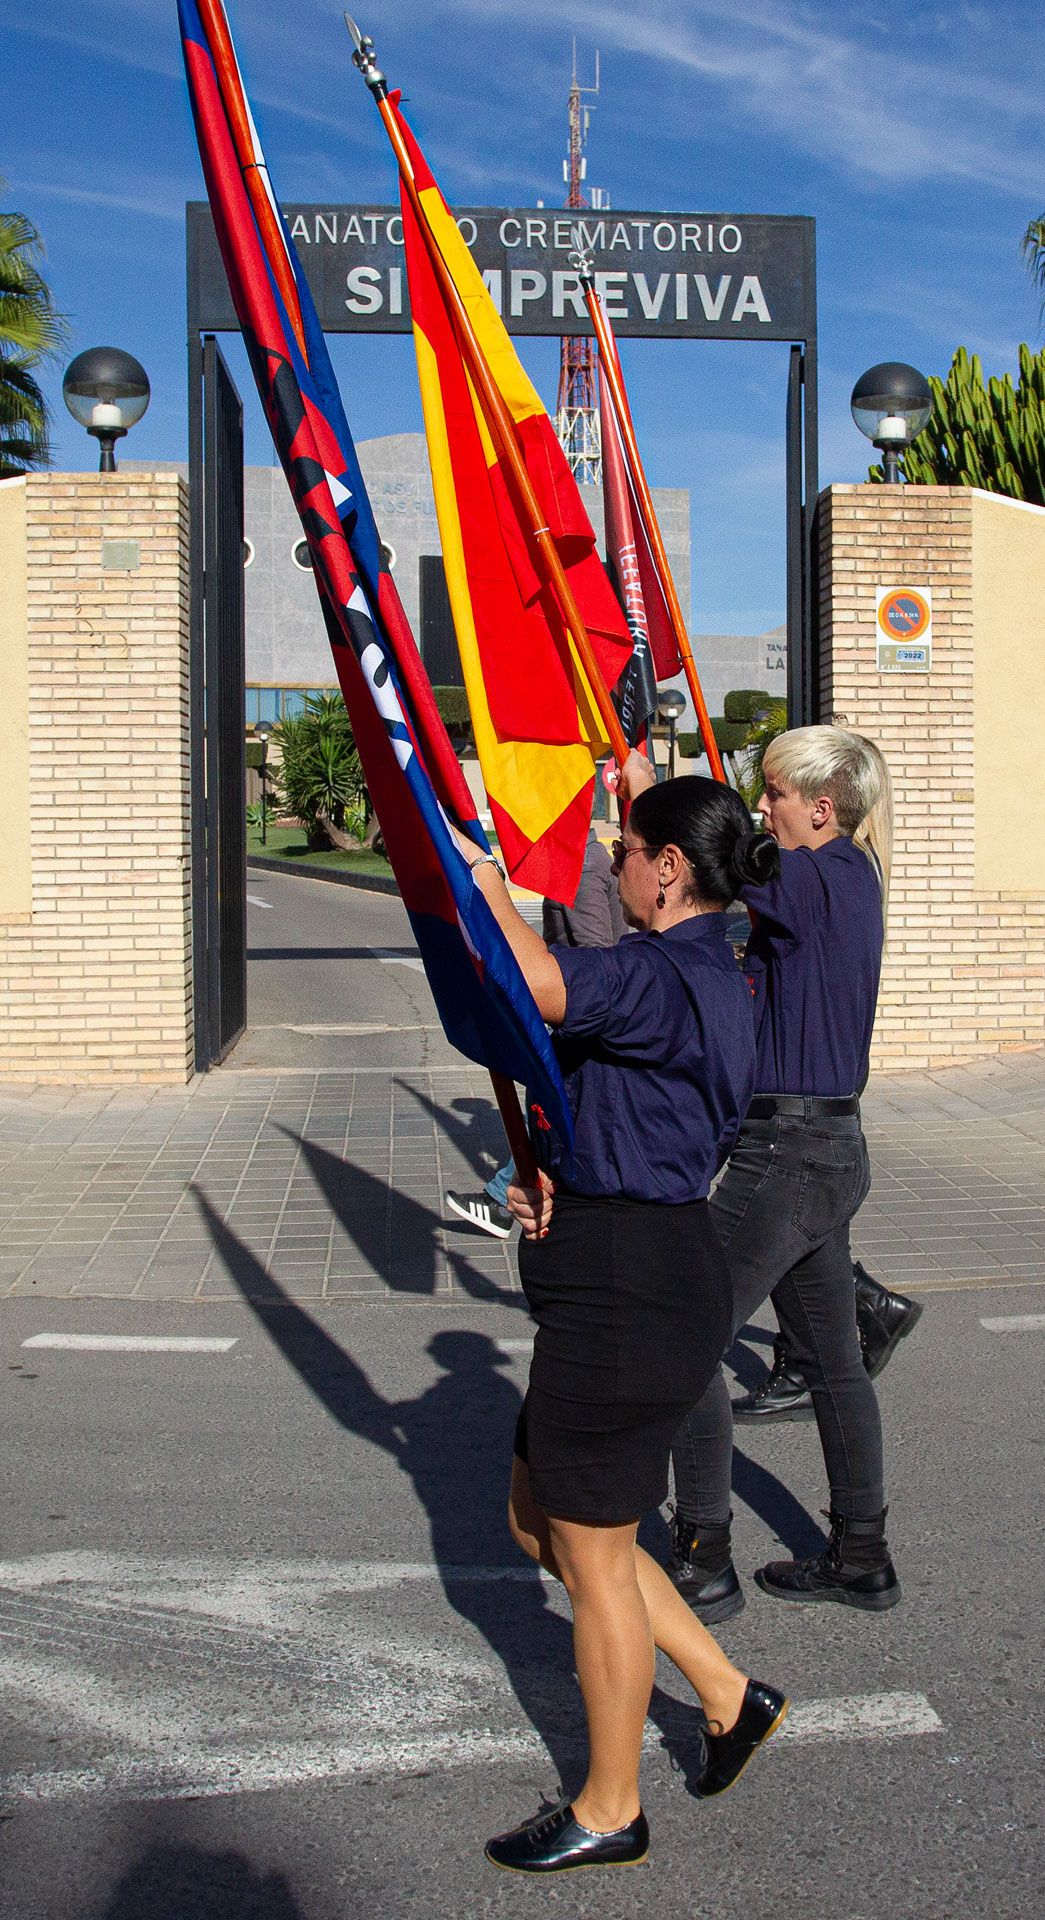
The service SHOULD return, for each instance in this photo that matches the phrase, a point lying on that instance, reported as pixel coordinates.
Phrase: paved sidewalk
(330, 1184)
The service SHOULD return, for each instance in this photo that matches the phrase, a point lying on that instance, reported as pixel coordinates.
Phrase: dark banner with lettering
(702, 276)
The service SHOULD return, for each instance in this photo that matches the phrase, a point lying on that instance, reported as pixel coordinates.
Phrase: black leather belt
(801, 1106)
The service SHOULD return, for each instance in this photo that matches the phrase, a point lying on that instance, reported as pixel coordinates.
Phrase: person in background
(799, 1170)
(594, 920)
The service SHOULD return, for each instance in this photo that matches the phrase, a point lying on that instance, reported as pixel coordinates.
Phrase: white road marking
(357, 1027)
(256, 901)
(177, 1677)
(1015, 1323)
(132, 1342)
(191, 1771)
(510, 1348)
(398, 959)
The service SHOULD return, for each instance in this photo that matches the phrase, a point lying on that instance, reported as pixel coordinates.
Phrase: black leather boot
(782, 1395)
(883, 1318)
(854, 1568)
(701, 1568)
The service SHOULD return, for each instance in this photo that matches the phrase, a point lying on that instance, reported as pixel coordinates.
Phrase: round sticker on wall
(904, 614)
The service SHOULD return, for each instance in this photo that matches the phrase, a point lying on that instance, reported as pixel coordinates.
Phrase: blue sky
(914, 135)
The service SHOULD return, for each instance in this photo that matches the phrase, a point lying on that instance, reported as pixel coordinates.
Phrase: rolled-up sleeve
(621, 995)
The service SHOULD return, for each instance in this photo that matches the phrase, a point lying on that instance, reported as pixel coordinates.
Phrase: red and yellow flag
(537, 728)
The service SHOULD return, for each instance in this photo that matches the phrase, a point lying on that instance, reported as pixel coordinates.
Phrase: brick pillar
(96, 938)
(964, 976)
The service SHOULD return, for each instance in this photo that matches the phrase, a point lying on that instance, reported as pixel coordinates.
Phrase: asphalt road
(267, 1651)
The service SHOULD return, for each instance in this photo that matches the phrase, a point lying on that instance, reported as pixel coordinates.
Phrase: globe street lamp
(263, 729)
(107, 391)
(669, 706)
(891, 404)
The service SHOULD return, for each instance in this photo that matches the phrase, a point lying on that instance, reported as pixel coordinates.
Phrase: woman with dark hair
(627, 1283)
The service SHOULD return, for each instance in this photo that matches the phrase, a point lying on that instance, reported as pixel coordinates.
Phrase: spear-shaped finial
(365, 59)
(581, 258)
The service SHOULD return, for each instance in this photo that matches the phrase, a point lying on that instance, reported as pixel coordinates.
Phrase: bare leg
(669, 1624)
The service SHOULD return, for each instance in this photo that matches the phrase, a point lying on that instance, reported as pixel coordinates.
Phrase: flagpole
(251, 159)
(611, 367)
(498, 418)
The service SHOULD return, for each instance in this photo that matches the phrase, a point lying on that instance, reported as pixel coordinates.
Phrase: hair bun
(754, 860)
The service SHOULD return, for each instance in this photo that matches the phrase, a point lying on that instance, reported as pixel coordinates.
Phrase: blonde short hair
(851, 771)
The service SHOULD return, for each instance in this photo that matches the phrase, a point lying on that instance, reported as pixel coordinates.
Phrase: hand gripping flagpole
(610, 365)
(498, 418)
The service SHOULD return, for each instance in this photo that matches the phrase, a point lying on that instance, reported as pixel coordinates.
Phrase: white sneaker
(480, 1211)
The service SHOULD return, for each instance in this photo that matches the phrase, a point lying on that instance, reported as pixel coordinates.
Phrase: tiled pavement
(324, 1185)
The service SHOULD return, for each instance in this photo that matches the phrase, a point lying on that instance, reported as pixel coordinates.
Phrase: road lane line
(200, 1771)
(1015, 1323)
(512, 1348)
(132, 1342)
(390, 959)
(256, 901)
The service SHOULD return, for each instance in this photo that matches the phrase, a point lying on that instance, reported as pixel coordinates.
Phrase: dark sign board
(701, 276)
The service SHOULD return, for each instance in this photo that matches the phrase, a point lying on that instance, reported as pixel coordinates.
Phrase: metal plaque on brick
(904, 629)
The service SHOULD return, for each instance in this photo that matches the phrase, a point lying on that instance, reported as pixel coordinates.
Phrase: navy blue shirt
(657, 1052)
(813, 963)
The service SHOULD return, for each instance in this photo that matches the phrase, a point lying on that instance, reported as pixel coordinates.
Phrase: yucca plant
(319, 778)
(30, 330)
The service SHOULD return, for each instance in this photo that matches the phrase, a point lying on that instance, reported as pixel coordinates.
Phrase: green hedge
(742, 706)
(729, 738)
(254, 755)
(452, 703)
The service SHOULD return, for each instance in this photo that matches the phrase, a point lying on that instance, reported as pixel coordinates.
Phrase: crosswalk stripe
(132, 1342)
(201, 1772)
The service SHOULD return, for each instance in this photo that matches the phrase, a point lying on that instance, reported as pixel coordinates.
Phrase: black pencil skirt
(633, 1308)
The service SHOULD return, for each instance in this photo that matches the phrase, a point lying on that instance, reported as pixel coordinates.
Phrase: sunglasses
(620, 852)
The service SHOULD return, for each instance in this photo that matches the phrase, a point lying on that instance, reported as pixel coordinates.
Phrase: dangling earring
(661, 898)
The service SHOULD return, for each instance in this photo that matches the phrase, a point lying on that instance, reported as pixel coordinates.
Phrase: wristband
(487, 860)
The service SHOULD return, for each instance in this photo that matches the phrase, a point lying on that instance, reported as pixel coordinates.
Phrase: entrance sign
(904, 629)
(698, 276)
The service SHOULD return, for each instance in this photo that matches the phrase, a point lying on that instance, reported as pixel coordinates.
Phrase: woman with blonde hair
(799, 1170)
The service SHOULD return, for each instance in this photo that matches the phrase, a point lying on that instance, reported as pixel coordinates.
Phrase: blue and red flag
(412, 773)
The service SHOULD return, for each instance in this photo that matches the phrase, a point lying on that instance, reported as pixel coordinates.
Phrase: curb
(336, 876)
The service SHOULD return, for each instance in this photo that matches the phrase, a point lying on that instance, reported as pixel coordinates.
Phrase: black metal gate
(219, 830)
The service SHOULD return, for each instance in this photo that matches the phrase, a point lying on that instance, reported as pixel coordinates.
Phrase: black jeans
(782, 1212)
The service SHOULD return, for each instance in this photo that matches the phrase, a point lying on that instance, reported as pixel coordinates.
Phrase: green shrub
(254, 755)
(452, 703)
(319, 779)
(729, 738)
(742, 705)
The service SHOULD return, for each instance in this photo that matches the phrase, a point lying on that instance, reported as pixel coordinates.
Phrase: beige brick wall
(964, 976)
(96, 984)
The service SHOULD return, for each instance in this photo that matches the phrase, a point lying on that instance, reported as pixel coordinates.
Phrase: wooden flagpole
(499, 420)
(610, 365)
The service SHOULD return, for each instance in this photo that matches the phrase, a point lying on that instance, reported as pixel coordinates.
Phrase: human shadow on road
(174, 1881)
(396, 1234)
(455, 1443)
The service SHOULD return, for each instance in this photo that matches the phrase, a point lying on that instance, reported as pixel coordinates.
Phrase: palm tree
(1033, 248)
(30, 330)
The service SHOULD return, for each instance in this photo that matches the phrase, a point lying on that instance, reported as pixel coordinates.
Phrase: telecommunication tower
(577, 407)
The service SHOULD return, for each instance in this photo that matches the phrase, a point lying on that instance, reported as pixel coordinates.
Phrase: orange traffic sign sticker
(904, 614)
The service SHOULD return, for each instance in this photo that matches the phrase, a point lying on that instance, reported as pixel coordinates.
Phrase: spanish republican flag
(537, 728)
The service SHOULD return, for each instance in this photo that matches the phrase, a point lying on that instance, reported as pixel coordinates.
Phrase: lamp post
(669, 705)
(263, 729)
(891, 403)
(107, 391)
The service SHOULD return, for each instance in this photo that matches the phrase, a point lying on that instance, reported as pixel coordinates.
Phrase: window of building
(278, 703)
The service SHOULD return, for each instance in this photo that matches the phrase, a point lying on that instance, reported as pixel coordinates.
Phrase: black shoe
(854, 1569)
(884, 1319)
(480, 1211)
(763, 1711)
(782, 1395)
(557, 1843)
(701, 1569)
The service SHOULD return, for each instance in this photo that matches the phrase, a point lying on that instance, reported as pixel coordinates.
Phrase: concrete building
(287, 647)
